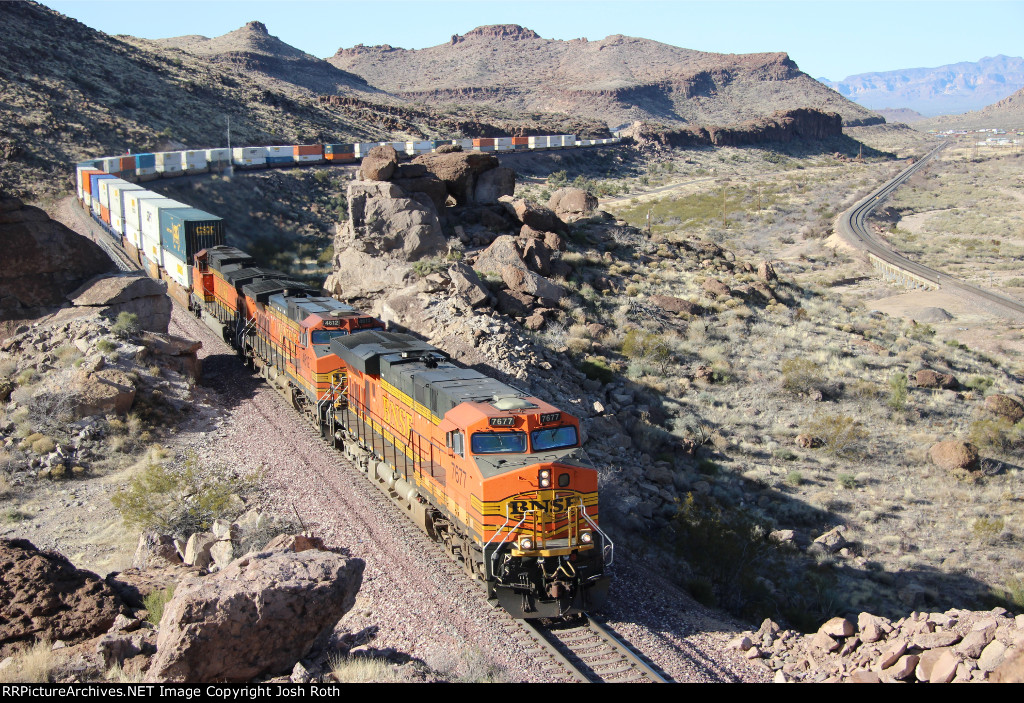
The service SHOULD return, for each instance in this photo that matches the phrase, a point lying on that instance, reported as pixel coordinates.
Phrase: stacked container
(145, 167)
(82, 172)
(466, 144)
(520, 143)
(218, 159)
(168, 163)
(105, 196)
(133, 215)
(279, 155)
(94, 190)
(340, 152)
(184, 233)
(363, 149)
(116, 195)
(308, 154)
(537, 142)
(503, 144)
(194, 161)
(417, 148)
(149, 221)
(250, 157)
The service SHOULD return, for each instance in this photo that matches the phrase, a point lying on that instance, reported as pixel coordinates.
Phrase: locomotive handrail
(610, 545)
(504, 541)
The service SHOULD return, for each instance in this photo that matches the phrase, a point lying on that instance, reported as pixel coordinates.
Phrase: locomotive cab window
(325, 336)
(498, 443)
(554, 438)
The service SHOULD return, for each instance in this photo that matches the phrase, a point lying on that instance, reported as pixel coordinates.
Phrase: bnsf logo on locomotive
(556, 505)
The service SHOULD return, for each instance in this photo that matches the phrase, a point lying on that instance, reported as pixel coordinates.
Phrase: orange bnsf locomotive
(496, 475)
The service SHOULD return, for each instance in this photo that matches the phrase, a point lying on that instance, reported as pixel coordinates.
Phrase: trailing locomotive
(496, 475)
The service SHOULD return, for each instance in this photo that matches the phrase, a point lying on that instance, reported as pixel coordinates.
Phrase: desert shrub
(43, 445)
(126, 325)
(840, 434)
(863, 390)
(26, 377)
(597, 369)
(67, 354)
(997, 434)
(363, 669)
(848, 481)
(898, 391)
(106, 346)
(802, 376)
(1012, 595)
(920, 332)
(646, 347)
(988, 529)
(794, 478)
(182, 500)
(155, 603)
(981, 384)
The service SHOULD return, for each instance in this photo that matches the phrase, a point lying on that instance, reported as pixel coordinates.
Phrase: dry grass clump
(364, 669)
(32, 664)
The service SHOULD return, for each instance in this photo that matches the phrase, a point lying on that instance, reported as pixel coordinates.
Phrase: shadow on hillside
(228, 376)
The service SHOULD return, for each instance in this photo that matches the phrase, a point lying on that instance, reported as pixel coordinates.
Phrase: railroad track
(586, 649)
(854, 229)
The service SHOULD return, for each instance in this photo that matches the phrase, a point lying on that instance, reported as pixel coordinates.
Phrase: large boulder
(504, 259)
(494, 183)
(427, 184)
(458, 171)
(467, 284)
(42, 260)
(177, 353)
(502, 253)
(71, 394)
(257, 617)
(43, 596)
(954, 455)
(1005, 406)
(670, 303)
(572, 203)
(535, 216)
(379, 164)
(927, 378)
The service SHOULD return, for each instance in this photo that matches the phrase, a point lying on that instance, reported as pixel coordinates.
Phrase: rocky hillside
(252, 50)
(1008, 113)
(950, 89)
(617, 79)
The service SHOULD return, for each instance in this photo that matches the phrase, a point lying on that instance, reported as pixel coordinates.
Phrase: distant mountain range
(946, 90)
(1008, 113)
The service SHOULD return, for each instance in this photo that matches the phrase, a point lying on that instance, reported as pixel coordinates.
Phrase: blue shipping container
(280, 159)
(94, 183)
(184, 232)
(145, 161)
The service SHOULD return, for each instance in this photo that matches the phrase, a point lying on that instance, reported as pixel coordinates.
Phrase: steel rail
(854, 230)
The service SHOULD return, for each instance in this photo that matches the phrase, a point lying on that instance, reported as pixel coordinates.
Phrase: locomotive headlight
(544, 478)
(526, 544)
(586, 538)
(545, 482)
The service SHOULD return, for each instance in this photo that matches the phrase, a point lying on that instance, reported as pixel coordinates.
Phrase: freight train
(498, 476)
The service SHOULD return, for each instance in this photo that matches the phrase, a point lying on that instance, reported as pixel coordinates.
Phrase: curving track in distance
(854, 230)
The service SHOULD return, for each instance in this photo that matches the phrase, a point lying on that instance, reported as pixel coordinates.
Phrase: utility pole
(231, 155)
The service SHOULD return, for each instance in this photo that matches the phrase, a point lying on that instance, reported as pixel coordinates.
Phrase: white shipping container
(278, 151)
(111, 164)
(503, 141)
(464, 143)
(117, 195)
(218, 155)
(149, 224)
(177, 269)
(250, 155)
(133, 214)
(569, 140)
(194, 161)
(309, 158)
(168, 163)
(503, 147)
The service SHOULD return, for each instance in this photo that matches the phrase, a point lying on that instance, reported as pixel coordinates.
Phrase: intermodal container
(520, 141)
(111, 164)
(341, 158)
(482, 142)
(117, 196)
(82, 173)
(94, 190)
(168, 163)
(250, 156)
(568, 140)
(218, 158)
(149, 223)
(184, 233)
(503, 141)
(127, 166)
(339, 149)
(194, 161)
(308, 150)
(106, 186)
(133, 215)
(145, 161)
(177, 270)
(280, 154)
(464, 143)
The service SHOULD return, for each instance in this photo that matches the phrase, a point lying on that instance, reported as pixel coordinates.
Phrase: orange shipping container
(308, 149)
(105, 214)
(483, 142)
(127, 163)
(341, 157)
(520, 141)
(87, 182)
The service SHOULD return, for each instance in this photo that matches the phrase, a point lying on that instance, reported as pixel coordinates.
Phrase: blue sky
(827, 38)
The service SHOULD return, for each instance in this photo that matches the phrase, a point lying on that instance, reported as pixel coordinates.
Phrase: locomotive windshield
(554, 438)
(498, 443)
(325, 336)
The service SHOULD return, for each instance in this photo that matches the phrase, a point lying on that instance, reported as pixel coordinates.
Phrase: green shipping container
(186, 231)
